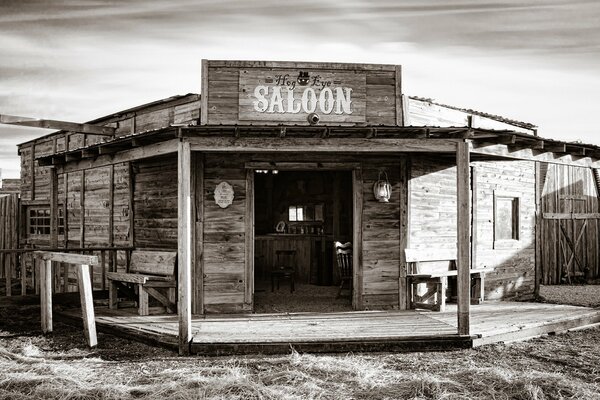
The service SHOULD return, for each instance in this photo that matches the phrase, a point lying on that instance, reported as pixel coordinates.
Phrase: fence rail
(24, 273)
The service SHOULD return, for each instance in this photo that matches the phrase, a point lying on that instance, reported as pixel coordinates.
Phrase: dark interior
(305, 212)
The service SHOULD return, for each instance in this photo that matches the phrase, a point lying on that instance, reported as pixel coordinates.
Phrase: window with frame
(506, 217)
(305, 213)
(39, 221)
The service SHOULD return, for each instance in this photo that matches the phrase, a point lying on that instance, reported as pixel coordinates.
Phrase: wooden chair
(343, 252)
(285, 268)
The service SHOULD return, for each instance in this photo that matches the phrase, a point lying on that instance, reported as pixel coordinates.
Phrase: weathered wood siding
(381, 238)
(224, 257)
(568, 190)
(433, 218)
(9, 238)
(155, 203)
(514, 262)
(380, 94)
(35, 180)
(422, 112)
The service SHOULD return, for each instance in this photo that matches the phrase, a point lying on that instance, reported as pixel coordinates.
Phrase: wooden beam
(555, 147)
(184, 247)
(507, 139)
(46, 295)
(301, 166)
(67, 258)
(463, 231)
(546, 155)
(539, 187)
(357, 236)
(319, 145)
(249, 240)
(138, 153)
(87, 304)
(204, 92)
(571, 216)
(199, 234)
(73, 156)
(404, 231)
(398, 89)
(56, 124)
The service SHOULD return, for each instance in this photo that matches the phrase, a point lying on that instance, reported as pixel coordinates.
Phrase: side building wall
(433, 218)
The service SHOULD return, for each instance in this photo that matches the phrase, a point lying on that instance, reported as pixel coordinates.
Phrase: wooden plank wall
(514, 262)
(9, 239)
(433, 219)
(155, 203)
(224, 86)
(35, 179)
(224, 237)
(569, 190)
(427, 113)
(381, 237)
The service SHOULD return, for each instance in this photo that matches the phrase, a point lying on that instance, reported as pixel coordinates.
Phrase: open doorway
(298, 216)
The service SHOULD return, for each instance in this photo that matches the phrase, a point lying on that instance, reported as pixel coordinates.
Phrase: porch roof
(487, 143)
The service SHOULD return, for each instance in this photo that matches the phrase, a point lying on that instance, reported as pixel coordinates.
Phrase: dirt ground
(59, 366)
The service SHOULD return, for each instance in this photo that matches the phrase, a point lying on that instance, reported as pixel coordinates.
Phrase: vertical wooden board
(357, 227)
(87, 304)
(249, 236)
(463, 231)
(199, 234)
(184, 223)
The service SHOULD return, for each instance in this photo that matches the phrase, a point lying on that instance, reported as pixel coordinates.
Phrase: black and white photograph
(229, 199)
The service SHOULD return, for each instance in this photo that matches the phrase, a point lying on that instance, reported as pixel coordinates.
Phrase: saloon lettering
(317, 95)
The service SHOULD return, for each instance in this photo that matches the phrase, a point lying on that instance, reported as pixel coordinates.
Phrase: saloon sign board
(289, 95)
(299, 93)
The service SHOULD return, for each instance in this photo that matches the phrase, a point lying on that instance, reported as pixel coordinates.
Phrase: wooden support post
(539, 186)
(184, 245)
(199, 236)
(404, 290)
(357, 202)
(87, 304)
(46, 295)
(143, 307)
(463, 231)
(249, 240)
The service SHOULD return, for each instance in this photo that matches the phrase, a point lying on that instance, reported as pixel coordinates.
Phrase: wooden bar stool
(284, 269)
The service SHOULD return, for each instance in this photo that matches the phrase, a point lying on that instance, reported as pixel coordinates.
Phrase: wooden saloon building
(214, 197)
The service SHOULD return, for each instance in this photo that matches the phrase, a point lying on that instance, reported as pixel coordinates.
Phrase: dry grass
(60, 367)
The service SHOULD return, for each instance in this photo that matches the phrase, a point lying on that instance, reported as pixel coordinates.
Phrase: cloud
(81, 59)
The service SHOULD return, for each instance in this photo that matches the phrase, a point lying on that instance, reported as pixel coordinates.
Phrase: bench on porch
(434, 266)
(152, 274)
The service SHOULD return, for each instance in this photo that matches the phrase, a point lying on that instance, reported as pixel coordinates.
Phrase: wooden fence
(25, 273)
(9, 239)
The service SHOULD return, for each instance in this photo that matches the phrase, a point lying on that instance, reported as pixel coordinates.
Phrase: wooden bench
(434, 266)
(151, 273)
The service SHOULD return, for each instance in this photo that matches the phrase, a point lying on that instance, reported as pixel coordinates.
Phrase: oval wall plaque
(224, 194)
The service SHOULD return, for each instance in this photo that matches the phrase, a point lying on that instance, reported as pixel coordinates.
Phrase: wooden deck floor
(351, 331)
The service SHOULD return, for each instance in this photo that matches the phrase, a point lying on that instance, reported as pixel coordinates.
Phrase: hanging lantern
(382, 189)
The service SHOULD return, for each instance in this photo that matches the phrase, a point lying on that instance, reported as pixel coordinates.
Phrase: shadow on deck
(392, 331)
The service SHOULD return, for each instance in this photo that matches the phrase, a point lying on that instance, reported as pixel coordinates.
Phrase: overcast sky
(535, 61)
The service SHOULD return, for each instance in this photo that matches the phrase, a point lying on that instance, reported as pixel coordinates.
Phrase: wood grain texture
(229, 88)
(184, 247)
(463, 263)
